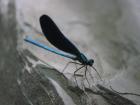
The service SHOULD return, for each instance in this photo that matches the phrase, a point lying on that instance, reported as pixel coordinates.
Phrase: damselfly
(65, 47)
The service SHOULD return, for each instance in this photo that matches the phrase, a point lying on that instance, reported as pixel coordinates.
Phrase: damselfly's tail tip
(27, 38)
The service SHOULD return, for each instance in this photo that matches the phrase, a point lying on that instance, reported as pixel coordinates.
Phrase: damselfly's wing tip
(44, 18)
(47, 25)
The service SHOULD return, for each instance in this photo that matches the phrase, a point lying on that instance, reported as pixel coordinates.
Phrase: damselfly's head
(90, 62)
(83, 59)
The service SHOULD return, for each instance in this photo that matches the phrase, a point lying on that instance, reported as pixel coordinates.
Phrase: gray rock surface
(24, 80)
(10, 62)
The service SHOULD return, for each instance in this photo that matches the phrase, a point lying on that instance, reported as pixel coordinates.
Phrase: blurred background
(105, 30)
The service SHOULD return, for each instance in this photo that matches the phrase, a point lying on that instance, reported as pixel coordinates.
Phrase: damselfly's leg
(92, 79)
(91, 75)
(75, 73)
(68, 64)
(78, 69)
(96, 72)
(86, 69)
(80, 75)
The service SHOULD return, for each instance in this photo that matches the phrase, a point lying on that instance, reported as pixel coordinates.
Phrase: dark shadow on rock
(10, 65)
(43, 85)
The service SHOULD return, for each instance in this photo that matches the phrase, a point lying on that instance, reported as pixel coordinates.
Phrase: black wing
(55, 36)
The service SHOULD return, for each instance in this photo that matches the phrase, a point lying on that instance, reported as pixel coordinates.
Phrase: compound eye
(91, 61)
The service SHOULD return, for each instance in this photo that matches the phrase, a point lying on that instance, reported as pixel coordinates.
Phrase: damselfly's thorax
(83, 59)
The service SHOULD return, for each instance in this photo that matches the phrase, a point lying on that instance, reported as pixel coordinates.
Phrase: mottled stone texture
(10, 64)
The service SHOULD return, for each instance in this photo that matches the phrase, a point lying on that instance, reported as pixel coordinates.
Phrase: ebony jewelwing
(65, 47)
